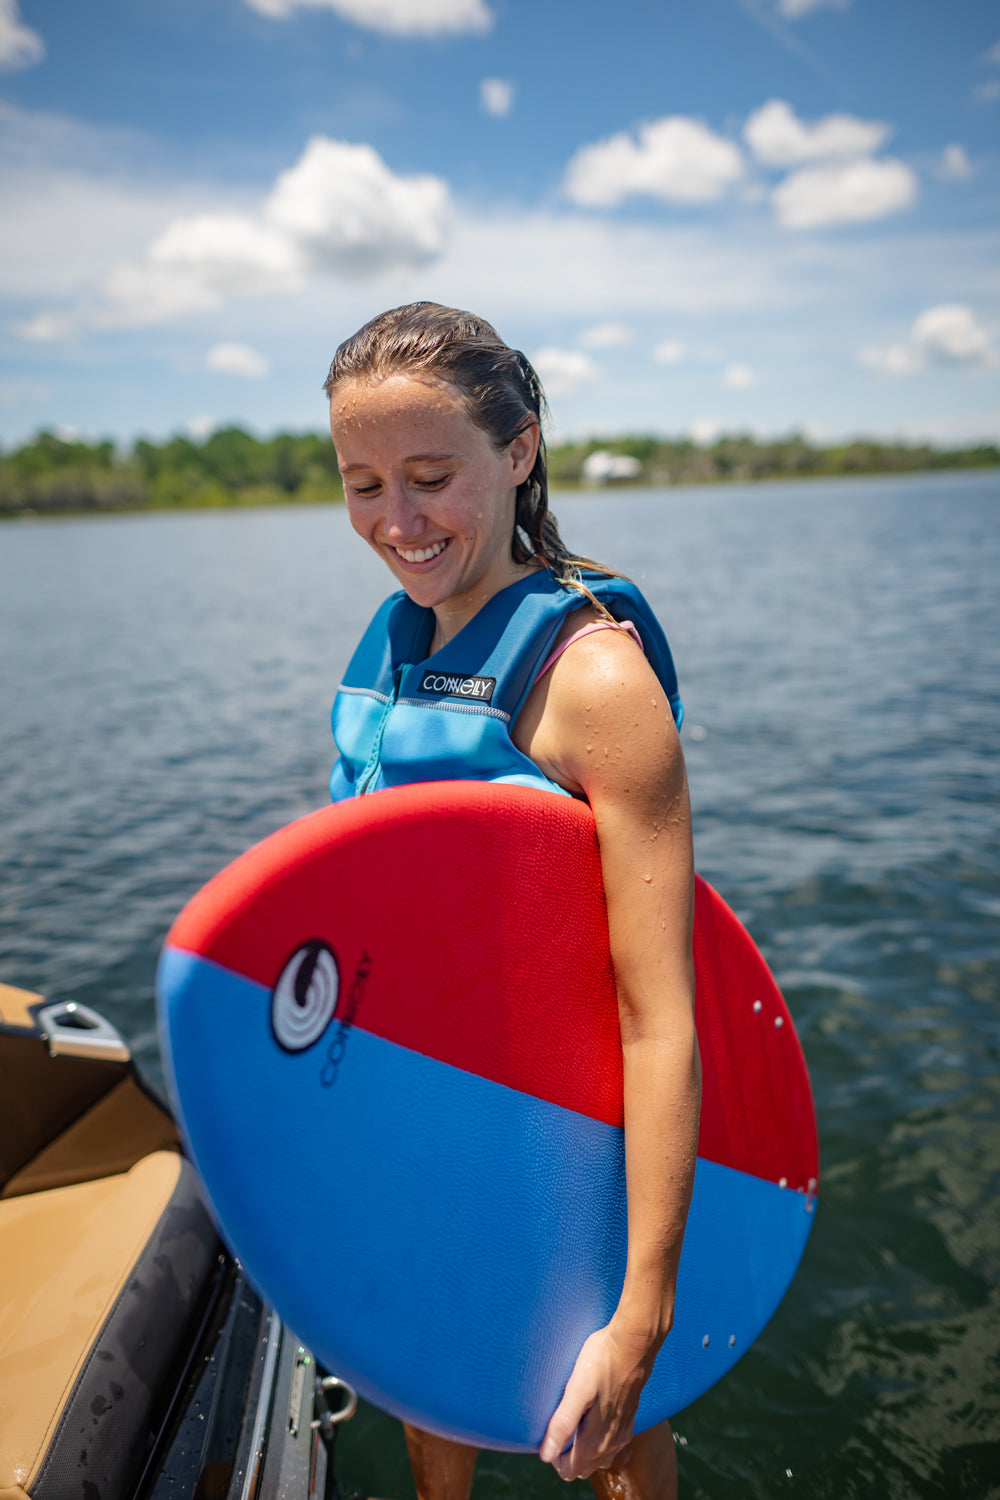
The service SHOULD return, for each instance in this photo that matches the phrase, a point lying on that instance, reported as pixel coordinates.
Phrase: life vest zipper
(374, 763)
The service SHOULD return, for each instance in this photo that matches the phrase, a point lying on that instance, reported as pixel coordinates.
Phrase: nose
(402, 521)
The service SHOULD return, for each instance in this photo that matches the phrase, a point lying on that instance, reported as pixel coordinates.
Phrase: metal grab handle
(74, 1030)
(329, 1419)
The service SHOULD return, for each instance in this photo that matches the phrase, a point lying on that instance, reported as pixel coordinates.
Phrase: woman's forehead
(365, 397)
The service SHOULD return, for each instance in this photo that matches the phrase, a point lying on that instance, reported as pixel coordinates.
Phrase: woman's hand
(598, 1407)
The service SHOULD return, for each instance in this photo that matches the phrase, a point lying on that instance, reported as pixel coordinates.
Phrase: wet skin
(429, 491)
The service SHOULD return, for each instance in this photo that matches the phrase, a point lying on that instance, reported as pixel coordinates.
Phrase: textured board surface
(391, 1035)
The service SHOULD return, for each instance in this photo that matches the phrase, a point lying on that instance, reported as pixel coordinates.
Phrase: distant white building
(602, 466)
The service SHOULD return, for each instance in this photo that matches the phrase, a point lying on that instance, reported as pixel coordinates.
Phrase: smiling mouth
(421, 554)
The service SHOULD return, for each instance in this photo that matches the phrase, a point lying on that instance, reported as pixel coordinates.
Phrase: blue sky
(695, 215)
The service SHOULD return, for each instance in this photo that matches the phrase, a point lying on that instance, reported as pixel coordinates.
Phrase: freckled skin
(418, 473)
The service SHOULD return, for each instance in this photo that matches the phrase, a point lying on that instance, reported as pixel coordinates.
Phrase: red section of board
(468, 923)
(757, 1109)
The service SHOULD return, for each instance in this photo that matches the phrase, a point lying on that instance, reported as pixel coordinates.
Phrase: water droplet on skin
(647, 878)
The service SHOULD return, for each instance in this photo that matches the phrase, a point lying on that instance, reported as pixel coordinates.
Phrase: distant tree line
(52, 474)
(230, 467)
(743, 457)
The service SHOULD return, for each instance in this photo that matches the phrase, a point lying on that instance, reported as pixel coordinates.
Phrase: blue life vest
(402, 716)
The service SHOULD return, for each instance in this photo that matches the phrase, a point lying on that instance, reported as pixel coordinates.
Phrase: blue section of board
(398, 1214)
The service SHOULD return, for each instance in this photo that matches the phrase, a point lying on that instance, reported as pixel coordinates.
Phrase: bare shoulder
(599, 722)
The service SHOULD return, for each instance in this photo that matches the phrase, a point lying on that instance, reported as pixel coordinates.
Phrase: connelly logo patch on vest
(453, 685)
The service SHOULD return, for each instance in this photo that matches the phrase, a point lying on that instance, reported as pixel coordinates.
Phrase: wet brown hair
(503, 396)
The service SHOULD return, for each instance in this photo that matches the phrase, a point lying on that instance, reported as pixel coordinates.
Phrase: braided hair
(503, 397)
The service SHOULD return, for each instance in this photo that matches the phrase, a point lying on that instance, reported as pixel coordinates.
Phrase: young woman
(436, 423)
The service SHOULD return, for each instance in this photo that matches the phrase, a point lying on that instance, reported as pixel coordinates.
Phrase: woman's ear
(523, 451)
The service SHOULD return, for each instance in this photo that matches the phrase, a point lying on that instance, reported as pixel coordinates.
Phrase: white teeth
(421, 554)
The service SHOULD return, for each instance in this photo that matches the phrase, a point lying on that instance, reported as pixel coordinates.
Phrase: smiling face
(429, 492)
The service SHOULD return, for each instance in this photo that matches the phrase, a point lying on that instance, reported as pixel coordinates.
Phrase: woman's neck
(454, 614)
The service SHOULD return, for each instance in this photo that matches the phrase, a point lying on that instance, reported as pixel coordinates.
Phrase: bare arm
(600, 724)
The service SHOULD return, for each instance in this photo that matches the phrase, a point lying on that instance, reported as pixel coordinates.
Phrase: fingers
(562, 1428)
(576, 1451)
(578, 1463)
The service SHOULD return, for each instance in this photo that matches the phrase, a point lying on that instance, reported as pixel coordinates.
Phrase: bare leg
(650, 1474)
(442, 1469)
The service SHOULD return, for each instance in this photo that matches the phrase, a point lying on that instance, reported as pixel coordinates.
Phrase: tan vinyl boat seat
(102, 1283)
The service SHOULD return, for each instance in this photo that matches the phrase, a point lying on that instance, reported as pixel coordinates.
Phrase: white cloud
(778, 138)
(55, 172)
(670, 352)
(201, 427)
(737, 377)
(48, 328)
(844, 194)
(607, 336)
(581, 264)
(992, 55)
(676, 159)
(953, 164)
(496, 96)
(237, 359)
(563, 371)
(704, 431)
(948, 335)
(397, 17)
(987, 92)
(891, 359)
(792, 10)
(224, 254)
(965, 428)
(343, 206)
(339, 211)
(20, 47)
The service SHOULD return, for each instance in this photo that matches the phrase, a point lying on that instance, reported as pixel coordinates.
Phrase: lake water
(165, 683)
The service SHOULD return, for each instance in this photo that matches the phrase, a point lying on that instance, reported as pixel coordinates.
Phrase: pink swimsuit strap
(625, 625)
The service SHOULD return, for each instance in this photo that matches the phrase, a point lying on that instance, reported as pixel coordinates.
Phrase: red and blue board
(391, 1033)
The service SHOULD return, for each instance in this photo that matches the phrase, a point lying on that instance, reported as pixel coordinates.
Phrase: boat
(137, 1362)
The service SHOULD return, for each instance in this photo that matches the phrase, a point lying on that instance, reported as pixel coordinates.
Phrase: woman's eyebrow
(411, 458)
